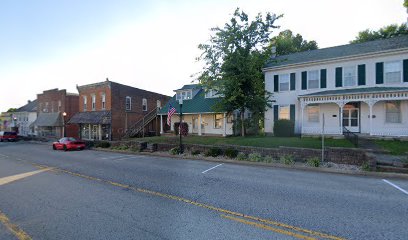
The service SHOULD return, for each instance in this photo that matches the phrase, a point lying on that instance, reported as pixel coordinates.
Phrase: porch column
(224, 133)
(90, 132)
(199, 124)
(370, 106)
(100, 132)
(161, 124)
(302, 107)
(341, 118)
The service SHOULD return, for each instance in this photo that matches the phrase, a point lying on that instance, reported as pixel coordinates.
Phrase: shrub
(365, 167)
(184, 128)
(313, 162)
(268, 159)
(231, 153)
(120, 147)
(195, 151)
(242, 156)
(213, 152)
(255, 157)
(134, 149)
(287, 159)
(102, 144)
(284, 128)
(175, 151)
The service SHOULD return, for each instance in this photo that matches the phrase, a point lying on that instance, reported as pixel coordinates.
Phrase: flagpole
(181, 118)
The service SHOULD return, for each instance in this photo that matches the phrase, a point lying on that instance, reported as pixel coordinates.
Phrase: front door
(351, 117)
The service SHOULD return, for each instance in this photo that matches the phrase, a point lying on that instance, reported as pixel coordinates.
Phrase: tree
(287, 43)
(10, 110)
(234, 57)
(384, 32)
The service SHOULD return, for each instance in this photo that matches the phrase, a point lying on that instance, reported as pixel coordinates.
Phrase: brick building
(54, 109)
(109, 110)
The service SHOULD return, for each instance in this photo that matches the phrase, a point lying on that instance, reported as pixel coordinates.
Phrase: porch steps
(389, 163)
(138, 127)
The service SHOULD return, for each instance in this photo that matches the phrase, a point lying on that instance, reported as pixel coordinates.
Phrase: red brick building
(109, 110)
(54, 109)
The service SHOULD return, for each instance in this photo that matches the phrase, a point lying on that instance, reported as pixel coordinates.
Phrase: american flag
(170, 112)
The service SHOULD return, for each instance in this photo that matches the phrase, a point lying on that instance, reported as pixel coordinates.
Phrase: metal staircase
(138, 127)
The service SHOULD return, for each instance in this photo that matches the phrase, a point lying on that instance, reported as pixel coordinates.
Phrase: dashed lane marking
(13, 228)
(396, 186)
(13, 178)
(212, 168)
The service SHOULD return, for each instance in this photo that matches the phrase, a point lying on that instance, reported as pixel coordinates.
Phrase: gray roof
(189, 86)
(53, 119)
(356, 91)
(348, 50)
(99, 117)
(31, 106)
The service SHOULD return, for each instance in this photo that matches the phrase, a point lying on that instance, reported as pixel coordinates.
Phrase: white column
(224, 133)
(302, 106)
(199, 124)
(90, 132)
(341, 119)
(100, 132)
(161, 124)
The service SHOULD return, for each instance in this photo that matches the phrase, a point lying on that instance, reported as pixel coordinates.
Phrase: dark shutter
(339, 77)
(323, 78)
(361, 75)
(304, 80)
(379, 73)
(293, 81)
(275, 113)
(405, 70)
(276, 83)
(292, 112)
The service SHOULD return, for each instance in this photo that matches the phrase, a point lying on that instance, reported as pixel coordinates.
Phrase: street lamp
(64, 114)
(181, 118)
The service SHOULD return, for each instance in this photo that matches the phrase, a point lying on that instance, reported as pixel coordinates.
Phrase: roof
(357, 91)
(53, 119)
(31, 106)
(348, 50)
(189, 86)
(99, 117)
(198, 104)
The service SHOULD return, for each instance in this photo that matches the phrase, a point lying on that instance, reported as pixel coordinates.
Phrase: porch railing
(350, 136)
(141, 124)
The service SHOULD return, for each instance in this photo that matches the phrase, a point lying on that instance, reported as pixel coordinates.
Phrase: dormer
(212, 93)
(187, 92)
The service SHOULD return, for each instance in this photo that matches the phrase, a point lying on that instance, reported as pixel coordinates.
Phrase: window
(313, 79)
(218, 120)
(46, 107)
(103, 101)
(313, 113)
(392, 72)
(93, 102)
(59, 106)
(85, 102)
(183, 95)
(283, 82)
(393, 112)
(284, 112)
(158, 104)
(350, 76)
(128, 103)
(144, 104)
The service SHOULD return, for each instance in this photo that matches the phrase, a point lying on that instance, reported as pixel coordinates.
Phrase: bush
(175, 151)
(242, 156)
(255, 157)
(231, 153)
(195, 152)
(213, 152)
(313, 162)
(184, 128)
(103, 145)
(366, 167)
(284, 128)
(120, 147)
(287, 159)
(268, 159)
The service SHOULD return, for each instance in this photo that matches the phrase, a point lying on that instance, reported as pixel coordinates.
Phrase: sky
(151, 44)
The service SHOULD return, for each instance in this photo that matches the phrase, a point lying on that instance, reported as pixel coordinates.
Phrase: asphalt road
(98, 195)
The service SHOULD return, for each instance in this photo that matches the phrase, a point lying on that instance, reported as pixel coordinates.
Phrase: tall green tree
(12, 110)
(234, 57)
(384, 32)
(286, 42)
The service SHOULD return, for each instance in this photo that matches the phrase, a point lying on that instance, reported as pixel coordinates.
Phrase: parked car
(9, 136)
(68, 143)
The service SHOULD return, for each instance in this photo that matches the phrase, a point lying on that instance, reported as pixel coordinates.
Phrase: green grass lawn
(395, 147)
(255, 141)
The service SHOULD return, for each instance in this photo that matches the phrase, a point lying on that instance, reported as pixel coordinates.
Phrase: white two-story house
(362, 88)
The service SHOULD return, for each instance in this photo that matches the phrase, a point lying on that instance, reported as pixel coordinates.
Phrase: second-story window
(59, 106)
(350, 76)
(85, 103)
(103, 101)
(144, 104)
(392, 72)
(93, 102)
(183, 95)
(313, 79)
(284, 82)
(128, 104)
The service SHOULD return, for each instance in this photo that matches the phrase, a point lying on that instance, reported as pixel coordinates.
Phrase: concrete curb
(271, 165)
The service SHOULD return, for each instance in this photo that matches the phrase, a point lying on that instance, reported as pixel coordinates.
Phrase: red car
(68, 143)
(9, 136)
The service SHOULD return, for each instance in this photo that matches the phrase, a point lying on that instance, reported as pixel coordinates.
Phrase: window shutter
(379, 73)
(339, 77)
(304, 80)
(405, 70)
(276, 83)
(361, 75)
(293, 81)
(323, 78)
(292, 112)
(275, 113)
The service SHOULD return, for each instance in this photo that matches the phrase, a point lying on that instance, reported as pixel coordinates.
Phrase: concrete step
(392, 169)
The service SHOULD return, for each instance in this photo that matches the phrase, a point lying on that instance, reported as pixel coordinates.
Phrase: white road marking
(212, 168)
(116, 157)
(13, 178)
(397, 187)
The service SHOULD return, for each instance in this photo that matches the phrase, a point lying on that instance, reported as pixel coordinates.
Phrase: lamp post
(64, 114)
(181, 118)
